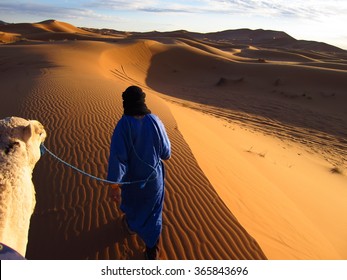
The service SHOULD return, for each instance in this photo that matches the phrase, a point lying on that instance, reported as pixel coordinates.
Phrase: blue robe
(137, 148)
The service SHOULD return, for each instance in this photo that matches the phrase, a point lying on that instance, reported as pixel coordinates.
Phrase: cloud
(110, 10)
(278, 8)
(120, 5)
(34, 9)
(150, 6)
(49, 11)
(309, 9)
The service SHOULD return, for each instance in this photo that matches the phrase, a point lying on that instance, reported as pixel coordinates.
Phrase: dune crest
(57, 26)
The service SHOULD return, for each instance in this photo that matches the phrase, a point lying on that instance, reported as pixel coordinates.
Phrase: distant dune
(226, 38)
(258, 126)
(49, 30)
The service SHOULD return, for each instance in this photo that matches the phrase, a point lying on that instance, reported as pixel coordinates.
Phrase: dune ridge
(49, 30)
(247, 124)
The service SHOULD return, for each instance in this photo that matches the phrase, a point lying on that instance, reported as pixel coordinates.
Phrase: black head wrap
(134, 102)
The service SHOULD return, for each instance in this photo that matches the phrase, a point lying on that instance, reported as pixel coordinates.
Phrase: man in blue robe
(139, 144)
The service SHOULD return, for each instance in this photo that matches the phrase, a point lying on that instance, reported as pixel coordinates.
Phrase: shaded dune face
(75, 89)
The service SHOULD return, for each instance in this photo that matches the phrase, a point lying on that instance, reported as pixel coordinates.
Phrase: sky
(317, 20)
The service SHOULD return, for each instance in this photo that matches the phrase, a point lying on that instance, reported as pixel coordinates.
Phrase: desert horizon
(258, 127)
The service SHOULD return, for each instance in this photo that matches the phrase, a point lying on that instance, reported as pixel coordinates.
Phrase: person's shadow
(109, 241)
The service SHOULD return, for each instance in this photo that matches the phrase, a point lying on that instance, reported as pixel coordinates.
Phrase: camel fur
(20, 142)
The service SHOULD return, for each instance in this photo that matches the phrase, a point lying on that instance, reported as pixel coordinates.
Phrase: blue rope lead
(92, 176)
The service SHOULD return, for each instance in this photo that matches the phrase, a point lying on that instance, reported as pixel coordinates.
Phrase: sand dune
(255, 144)
(58, 26)
(80, 107)
(7, 37)
(49, 30)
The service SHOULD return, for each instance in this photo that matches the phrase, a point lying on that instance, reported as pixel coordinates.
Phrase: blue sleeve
(118, 160)
(165, 142)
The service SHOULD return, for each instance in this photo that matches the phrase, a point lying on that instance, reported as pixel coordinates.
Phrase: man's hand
(115, 193)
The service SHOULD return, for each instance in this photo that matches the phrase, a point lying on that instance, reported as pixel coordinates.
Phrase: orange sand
(254, 144)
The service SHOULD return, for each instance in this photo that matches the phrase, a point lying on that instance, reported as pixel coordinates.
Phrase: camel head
(21, 138)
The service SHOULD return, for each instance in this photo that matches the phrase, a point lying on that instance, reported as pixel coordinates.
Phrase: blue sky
(319, 20)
